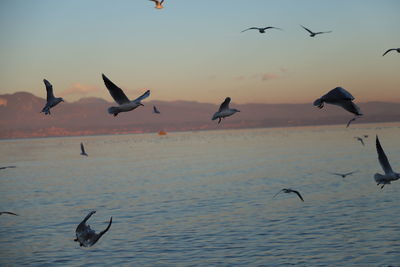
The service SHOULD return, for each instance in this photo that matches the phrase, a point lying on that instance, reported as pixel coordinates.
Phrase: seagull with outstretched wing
(288, 191)
(122, 100)
(224, 110)
(343, 175)
(155, 110)
(83, 152)
(51, 100)
(261, 30)
(85, 235)
(7, 212)
(390, 175)
(392, 49)
(158, 3)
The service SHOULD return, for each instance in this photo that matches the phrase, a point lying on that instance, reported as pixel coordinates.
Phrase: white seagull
(343, 175)
(155, 110)
(224, 110)
(312, 34)
(339, 97)
(51, 100)
(262, 30)
(86, 236)
(124, 103)
(83, 152)
(389, 175)
(288, 190)
(158, 3)
(393, 49)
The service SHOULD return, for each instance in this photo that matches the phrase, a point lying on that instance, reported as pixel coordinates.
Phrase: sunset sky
(194, 50)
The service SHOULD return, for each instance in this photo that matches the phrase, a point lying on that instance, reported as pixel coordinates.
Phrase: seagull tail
(113, 110)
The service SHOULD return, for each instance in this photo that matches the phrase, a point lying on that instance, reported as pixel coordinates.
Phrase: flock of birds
(337, 96)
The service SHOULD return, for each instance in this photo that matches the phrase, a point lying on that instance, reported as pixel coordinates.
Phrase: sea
(203, 198)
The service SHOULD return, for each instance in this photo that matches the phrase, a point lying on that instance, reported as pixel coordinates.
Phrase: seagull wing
(7, 212)
(116, 92)
(387, 51)
(338, 93)
(83, 149)
(323, 32)
(350, 121)
(145, 95)
(362, 141)
(298, 194)
(49, 89)
(277, 193)
(155, 1)
(162, 1)
(307, 29)
(350, 173)
(383, 160)
(270, 27)
(155, 109)
(225, 104)
(335, 173)
(252, 28)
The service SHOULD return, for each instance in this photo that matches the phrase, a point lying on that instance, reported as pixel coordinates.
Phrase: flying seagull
(288, 190)
(158, 3)
(83, 152)
(124, 103)
(224, 110)
(350, 121)
(312, 34)
(86, 236)
(155, 110)
(262, 30)
(393, 49)
(339, 97)
(389, 175)
(51, 99)
(360, 139)
(343, 175)
(7, 212)
(6, 167)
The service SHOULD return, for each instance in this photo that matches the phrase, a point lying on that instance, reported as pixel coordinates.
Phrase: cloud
(80, 89)
(269, 76)
(3, 102)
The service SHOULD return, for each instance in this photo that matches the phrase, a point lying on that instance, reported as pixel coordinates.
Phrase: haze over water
(203, 199)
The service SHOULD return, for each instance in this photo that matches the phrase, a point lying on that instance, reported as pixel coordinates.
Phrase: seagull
(365, 135)
(83, 152)
(339, 97)
(360, 139)
(224, 110)
(343, 175)
(393, 49)
(261, 30)
(155, 110)
(7, 212)
(158, 3)
(124, 103)
(389, 175)
(312, 34)
(86, 236)
(52, 101)
(6, 167)
(288, 190)
(350, 121)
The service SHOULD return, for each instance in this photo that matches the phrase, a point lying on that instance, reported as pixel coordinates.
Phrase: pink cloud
(269, 76)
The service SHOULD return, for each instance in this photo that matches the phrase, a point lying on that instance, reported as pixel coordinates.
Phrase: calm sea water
(203, 199)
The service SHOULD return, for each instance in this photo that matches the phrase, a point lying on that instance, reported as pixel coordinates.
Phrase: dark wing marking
(297, 193)
(388, 51)
(145, 95)
(116, 92)
(83, 148)
(5, 167)
(225, 104)
(350, 121)
(270, 27)
(383, 160)
(49, 89)
(252, 28)
(7, 212)
(307, 29)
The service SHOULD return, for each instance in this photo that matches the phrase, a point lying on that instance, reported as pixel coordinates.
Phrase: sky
(194, 49)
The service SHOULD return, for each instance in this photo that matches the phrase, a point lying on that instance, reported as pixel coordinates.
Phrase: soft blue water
(203, 199)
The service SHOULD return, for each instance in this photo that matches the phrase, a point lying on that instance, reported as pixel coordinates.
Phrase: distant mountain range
(20, 116)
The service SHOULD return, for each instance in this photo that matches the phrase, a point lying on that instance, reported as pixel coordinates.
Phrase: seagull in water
(389, 175)
(6, 167)
(51, 99)
(393, 49)
(340, 97)
(312, 34)
(155, 110)
(288, 190)
(7, 212)
(262, 30)
(360, 139)
(224, 110)
(124, 103)
(83, 152)
(158, 3)
(86, 236)
(343, 175)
